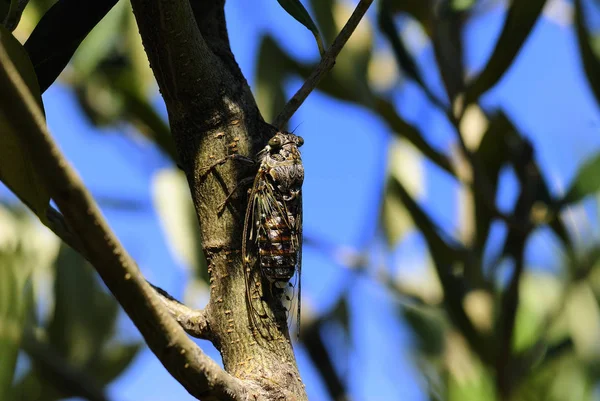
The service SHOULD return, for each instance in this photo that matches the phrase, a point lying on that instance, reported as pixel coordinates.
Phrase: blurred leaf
(145, 118)
(85, 314)
(406, 165)
(494, 152)
(477, 386)
(12, 16)
(16, 169)
(114, 360)
(341, 313)
(428, 325)
(323, 10)
(591, 64)
(442, 253)
(521, 17)
(403, 129)
(171, 197)
(321, 359)
(59, 33)
(447, 44)
(586, 182)
(270, 76)
(403, 57)
(100, 41)
(395, 220)
(334, 85)
(585, 332)
(446, 257)
(15, 294)
(352, 64)
(421, 10)
(297, 10)
(539, 297)
(4, 7)
(53, 377)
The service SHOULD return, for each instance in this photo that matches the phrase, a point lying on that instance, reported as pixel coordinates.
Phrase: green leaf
(85, 315)
(4, 7)
(429, 327)
(100, 42)
(16, 169)
(297, 10)
(494, 153)
(270, 76)
(403, 58)
(421, 10)
(113, 361)
(447, 44)
(15, 293)
(520, 20)
(323, 11)
(586, 182)
(591, 64)
(13, 15)
(477, 386)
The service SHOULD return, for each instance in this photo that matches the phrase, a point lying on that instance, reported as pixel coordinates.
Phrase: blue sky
(345, 155)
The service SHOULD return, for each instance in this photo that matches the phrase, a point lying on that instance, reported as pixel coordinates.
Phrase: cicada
(273, 223)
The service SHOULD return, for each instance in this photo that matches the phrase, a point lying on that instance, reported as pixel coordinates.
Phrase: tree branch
(193, 321)
(326, 64)
(200, 375)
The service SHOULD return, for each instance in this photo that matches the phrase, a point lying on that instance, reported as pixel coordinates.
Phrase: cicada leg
(243, 182)
(234, 156)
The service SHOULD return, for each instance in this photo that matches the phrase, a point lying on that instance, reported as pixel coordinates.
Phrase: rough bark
(212, 114)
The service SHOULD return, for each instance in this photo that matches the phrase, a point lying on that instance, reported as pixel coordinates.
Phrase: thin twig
(326, 64)
(193, 321)
(199, 374)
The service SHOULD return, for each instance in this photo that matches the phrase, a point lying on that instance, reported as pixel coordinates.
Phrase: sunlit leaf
(474, 383)
(586, 182)
(591, 63)
(297, 10)
(521, 17)
(405, 164)
(171, 198)
(16, 169)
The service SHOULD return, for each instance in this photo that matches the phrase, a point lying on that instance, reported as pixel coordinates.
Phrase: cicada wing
(299, 261)
(294, 290)
(250, 249)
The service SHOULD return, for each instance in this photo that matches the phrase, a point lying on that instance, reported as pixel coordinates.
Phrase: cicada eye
(275, 142)
(300, 141)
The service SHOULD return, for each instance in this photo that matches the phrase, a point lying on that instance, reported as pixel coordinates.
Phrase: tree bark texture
(213, 114)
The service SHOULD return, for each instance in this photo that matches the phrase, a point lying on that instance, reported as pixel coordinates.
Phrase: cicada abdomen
(273, 226)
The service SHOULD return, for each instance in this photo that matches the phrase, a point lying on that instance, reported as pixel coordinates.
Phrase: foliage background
(371, 295)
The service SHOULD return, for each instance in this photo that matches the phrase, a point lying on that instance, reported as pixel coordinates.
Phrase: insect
(273, 222)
